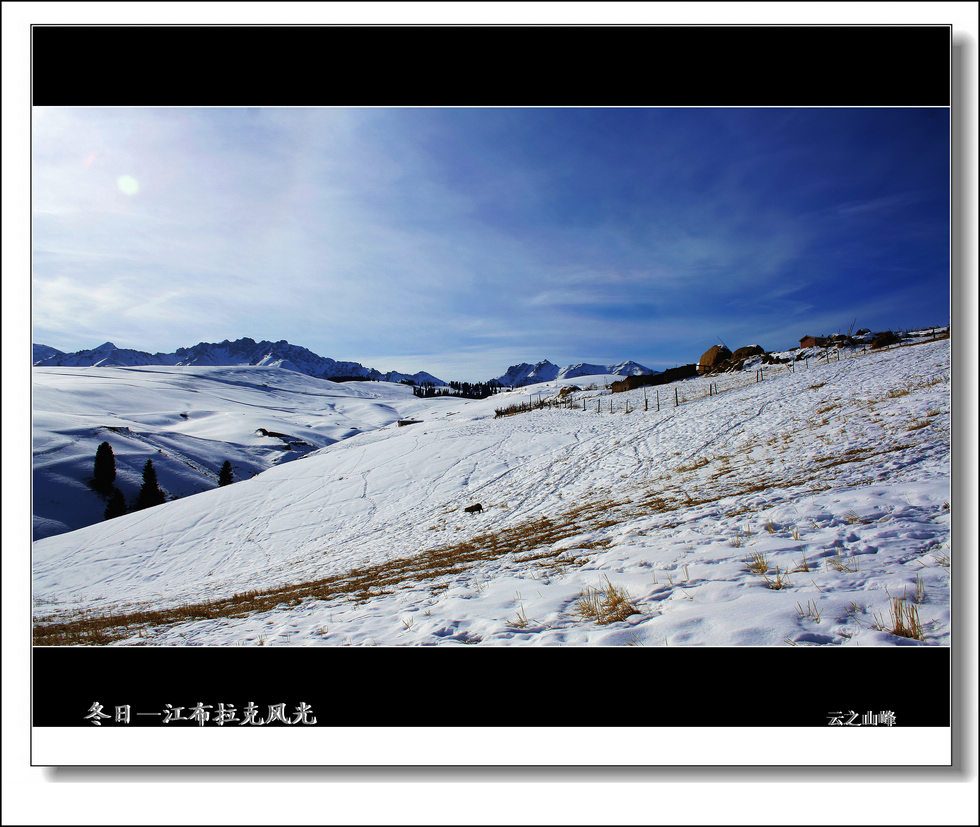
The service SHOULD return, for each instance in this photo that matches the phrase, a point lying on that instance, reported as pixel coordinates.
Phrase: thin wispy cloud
(451, 240)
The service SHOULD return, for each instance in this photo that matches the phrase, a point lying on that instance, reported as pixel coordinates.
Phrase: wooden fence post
(676, 403)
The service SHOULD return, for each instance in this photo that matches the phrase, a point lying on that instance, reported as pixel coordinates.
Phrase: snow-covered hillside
(809, 509)
(188, 420)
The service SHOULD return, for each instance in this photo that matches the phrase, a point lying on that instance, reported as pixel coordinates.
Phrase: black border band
(479, 686)
(491, 65)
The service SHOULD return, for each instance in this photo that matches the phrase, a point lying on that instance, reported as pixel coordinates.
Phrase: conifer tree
(150, 493)
(105, 468)
(225, 477)
(116, 506)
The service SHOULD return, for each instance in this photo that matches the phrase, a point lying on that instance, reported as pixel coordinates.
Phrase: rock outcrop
(669, 375)
(743, 353)
(712, 358)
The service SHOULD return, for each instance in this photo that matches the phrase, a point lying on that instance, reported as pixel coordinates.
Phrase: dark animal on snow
(472, 509)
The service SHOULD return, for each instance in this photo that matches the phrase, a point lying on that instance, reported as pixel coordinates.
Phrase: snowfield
(811, 508)
(188, 420)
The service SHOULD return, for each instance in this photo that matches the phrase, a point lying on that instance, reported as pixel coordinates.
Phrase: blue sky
(461, 241)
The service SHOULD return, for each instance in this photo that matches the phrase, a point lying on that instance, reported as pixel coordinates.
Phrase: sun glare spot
(128, 185)
(90, 159)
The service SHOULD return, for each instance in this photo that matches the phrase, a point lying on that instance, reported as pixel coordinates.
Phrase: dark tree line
(150, 493)
(466, 390)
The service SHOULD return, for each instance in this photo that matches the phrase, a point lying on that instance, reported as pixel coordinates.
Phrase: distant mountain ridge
(41, 352)
(243, 351)
(545, 371)
(282, 354)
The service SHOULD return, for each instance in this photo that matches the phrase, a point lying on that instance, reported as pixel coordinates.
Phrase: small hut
(813, 341)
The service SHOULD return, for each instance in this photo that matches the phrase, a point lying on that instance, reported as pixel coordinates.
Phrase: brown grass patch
(904, 620)
(606, 605)
(700, 462)
(531, 541)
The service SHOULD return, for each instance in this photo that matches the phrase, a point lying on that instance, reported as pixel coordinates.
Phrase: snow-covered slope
(788, 512)
(188, 420)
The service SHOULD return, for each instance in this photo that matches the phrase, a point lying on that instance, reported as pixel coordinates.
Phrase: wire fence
(681, 392)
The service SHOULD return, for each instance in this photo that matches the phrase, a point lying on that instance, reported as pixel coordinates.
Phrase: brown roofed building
(813, 341)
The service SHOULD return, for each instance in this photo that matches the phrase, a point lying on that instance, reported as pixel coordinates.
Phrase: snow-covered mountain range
(545, 371)
(243, 351)
(282, 354)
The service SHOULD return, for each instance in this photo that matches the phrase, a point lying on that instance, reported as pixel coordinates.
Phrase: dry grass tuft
(810, 611)
(606, 605)
(759, 564)
(920, 589)
(838, 563)
(779, 581)
(904, 620)
(520, 621)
